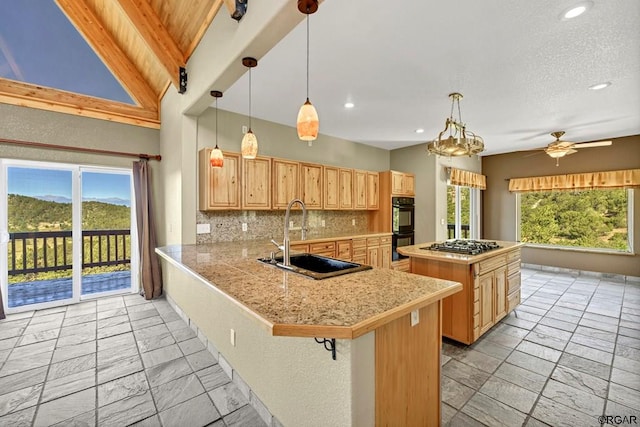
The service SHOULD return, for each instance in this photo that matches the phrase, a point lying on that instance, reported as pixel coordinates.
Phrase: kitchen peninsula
(490, 279)
(386, 371)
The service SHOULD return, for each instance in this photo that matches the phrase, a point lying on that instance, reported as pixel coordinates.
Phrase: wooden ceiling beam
(156, 36)
(27, 95)
(88, 23)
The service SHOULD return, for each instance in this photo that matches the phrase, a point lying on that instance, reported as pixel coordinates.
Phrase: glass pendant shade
(249, 147)
(308, 123)
(216, 159)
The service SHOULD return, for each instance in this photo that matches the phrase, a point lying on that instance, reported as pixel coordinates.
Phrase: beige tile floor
(571, 355)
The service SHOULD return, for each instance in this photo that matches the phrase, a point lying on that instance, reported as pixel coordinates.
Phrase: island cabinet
(285, 182)
(491, 287)
(256, 183)
(311, 185)
(219, 188)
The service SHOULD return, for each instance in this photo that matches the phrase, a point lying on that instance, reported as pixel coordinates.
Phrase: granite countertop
(416, 251)
(296, 236)
(289, 304)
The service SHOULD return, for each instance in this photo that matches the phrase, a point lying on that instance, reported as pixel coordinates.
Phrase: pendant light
(216, 159)
(308, 122)
(249, 147)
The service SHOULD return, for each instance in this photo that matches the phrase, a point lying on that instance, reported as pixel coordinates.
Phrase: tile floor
(113, 362)
(571, 355)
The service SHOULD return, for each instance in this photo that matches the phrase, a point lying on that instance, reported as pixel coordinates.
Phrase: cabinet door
(331, 188)
(409, 182)
(385, 256)
(346, 188)
(311, 185)
(397, 185)
(219, 187)
(373, 193)
(360, 181)
(500, 287)
(343, 250)
(256, 183)
(284, 183)
(373, 256)
(486, 302)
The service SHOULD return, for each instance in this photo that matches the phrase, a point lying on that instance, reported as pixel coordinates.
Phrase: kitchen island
(386, 371)
(491, 286)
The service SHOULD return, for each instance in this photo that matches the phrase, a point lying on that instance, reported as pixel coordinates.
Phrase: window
(462, 218)
(589, 219)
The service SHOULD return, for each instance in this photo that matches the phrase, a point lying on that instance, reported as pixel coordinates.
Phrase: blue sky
(48, 182)
(39, 45)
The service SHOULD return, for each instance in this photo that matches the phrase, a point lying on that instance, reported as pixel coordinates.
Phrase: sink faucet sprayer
(285, 244)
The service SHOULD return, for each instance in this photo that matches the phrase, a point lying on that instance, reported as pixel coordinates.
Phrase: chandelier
(460, 141)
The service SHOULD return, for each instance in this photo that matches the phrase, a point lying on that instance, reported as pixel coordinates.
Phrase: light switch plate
(203, 228)
(244, 226)
(415, 317)
(232, 337)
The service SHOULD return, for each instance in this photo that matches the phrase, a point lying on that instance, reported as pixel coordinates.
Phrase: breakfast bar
(263, 321)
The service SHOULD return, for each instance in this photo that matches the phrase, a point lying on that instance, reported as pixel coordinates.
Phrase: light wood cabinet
(379, 251)
(402, 265)
(256, 183)
(344, 250)
(402, 184)
(346, 189)
(311, 185)
(332, 192)
(323, 248)
(359, 250)
(219, 188)
(285, 182)
(491, 290)
(360, 189)
(373, 190)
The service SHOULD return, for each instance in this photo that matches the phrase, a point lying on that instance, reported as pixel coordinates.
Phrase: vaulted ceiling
(144, 43)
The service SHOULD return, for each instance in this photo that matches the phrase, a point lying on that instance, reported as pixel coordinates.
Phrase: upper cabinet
(219, 188)
(402, 184)
(311, 185)
(256, 183)
(373, 190)
(285, 182)
(346, 188)
(360, 189)
(332, 191)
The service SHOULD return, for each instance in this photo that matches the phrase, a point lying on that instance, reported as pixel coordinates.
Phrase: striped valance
(629, 178)
(467, 179)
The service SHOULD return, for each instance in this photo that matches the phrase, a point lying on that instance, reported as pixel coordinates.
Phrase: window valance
(629, 178)
(467, 178)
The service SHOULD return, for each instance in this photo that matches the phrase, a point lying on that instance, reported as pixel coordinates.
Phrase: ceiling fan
(560, 148)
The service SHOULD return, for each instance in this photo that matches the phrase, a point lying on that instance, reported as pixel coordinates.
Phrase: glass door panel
(106, 232)
(39, 251)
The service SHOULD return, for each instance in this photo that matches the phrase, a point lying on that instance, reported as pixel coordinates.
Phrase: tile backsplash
(226, 226)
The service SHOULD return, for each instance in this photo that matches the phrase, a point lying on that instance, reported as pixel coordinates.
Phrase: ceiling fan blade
(570, 151)
(592, 144)
(540, 151)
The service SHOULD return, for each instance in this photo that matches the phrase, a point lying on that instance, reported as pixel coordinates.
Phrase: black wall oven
(402, 224)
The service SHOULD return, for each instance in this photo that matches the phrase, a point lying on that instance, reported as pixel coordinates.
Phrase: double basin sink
(316, 266)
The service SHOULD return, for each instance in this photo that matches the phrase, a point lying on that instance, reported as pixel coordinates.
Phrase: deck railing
(42, 251)
(451, 231)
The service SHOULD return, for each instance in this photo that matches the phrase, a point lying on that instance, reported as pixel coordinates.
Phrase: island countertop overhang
(288, 304)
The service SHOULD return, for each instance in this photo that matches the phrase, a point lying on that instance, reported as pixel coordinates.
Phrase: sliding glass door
(66, 234)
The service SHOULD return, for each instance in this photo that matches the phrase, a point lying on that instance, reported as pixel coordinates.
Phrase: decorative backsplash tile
(226, 226)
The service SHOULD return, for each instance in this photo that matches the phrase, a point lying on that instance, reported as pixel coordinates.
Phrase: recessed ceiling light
(420, 130)
(576, 10)
(349, 105)
(599, 86)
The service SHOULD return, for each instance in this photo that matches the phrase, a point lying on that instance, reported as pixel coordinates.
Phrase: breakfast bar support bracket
(329, 345)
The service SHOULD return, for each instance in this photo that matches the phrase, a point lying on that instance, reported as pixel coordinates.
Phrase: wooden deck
(40, 291)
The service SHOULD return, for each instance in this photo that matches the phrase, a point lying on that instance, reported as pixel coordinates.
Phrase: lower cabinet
(323, 248)
(343, 250)
(374, 251)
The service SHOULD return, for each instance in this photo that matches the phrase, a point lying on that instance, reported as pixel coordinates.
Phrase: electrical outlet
(244, 129)
(442, 221)
(415, 317)
(244, 226)
(232, 337)
(203, 228)
(323, 223)
(290, 225)
(353, 221)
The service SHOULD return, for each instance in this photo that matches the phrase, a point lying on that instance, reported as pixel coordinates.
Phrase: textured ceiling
(523, 71)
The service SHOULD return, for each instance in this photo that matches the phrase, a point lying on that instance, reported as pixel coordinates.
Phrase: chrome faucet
(285, 243)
